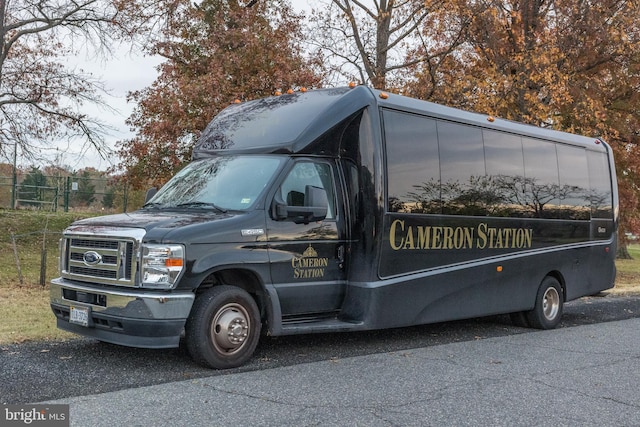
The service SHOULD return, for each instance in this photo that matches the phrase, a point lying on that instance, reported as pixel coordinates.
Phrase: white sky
(121, 75)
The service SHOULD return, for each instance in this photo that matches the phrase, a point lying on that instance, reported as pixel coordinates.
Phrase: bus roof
(289, 123)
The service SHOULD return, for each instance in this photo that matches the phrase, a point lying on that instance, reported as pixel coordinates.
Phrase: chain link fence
(33, 190)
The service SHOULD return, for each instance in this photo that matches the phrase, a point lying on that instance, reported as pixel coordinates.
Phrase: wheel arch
(560, 278)
(244, 278)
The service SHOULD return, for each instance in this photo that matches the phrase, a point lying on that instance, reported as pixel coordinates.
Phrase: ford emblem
(91, 258)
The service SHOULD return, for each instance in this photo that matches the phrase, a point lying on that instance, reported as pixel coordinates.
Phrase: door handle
(340, 256)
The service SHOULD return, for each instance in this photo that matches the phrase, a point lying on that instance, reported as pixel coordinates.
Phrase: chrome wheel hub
(551, 303)
(230, 328)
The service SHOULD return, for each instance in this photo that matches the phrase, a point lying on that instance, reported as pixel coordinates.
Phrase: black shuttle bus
(340, 210)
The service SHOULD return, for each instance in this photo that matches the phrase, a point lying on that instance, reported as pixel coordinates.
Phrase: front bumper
(135, 318)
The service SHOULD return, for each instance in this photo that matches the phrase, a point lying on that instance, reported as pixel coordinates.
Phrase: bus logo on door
(309, 265)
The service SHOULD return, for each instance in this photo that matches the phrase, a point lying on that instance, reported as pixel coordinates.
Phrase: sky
(120, 75)
(123, 74)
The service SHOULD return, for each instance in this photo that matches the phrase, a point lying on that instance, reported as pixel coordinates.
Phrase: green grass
(628, 278)
(24, 304)
(24, 307)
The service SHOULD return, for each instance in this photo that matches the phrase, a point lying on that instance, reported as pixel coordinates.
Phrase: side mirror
(315, 207)
(316, 200)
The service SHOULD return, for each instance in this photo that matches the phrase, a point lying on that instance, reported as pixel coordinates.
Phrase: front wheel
(224, 327)
(547, 312)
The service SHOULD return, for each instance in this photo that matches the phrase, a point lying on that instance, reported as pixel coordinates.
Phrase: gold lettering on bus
(309, 265)
(409, 237)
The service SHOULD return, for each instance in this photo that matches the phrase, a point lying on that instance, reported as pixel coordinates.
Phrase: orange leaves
(215, 52)
(570, 65)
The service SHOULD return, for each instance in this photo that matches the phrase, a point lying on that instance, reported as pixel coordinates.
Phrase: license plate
(79, 316)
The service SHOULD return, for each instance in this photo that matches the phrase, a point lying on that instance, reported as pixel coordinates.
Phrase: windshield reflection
(218, 183)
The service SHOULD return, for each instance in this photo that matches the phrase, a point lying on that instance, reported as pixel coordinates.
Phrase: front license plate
(79, 316)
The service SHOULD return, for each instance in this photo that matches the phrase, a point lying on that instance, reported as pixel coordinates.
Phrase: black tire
(223, 329)
(547, 313)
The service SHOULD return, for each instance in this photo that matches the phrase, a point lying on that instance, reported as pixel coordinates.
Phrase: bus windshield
(221, 183)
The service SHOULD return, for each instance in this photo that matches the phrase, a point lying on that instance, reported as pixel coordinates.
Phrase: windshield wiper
(201, 204)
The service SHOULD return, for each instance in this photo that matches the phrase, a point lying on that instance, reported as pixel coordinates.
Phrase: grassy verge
(26, 315)
(29, 238)
(24, 306)
(628, 278)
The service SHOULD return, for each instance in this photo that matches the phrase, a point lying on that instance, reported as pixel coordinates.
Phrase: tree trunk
(623, 251)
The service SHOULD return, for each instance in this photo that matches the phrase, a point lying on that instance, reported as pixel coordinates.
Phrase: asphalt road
(584, 376)
(46, 371)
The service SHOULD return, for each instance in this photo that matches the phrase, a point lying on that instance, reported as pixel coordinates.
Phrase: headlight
(161, 265)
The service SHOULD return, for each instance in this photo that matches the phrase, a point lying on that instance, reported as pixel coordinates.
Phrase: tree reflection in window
(227, 182)
(498, 196)
(438, 167)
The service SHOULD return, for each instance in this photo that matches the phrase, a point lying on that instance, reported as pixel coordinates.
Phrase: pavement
(578, 376)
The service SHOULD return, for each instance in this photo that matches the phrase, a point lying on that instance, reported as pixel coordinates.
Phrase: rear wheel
(224, 327)
(547, 312)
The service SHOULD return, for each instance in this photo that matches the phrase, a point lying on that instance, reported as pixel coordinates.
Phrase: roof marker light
(352, 85)
(384, 95)
(303, 89)
(290, 91)
(277, 93)
(491, 119)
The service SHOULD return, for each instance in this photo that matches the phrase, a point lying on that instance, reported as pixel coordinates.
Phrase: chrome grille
(111, 259)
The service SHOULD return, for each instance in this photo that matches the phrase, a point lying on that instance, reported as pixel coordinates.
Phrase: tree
(84, 195)
(379, 43)
(41, 97)
(569, 65)
(215, 52)
(6, 185)
(32, 190)
(108, 200)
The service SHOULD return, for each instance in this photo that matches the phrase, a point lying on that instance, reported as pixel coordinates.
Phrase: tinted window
(541, 178)
(463, 171)
(505, 173)
(599, 185)
(265, 122)
(489, 173)
(412, 163)
(573, 191)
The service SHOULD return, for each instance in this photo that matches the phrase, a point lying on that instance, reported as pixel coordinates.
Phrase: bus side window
(600, 193)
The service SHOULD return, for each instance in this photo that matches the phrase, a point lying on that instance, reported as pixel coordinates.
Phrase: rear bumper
(133, 318)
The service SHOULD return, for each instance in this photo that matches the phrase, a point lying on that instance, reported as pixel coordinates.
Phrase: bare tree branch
(41, 100)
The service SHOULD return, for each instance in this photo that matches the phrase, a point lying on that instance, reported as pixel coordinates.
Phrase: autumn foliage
(216, 52)
(568, 65)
